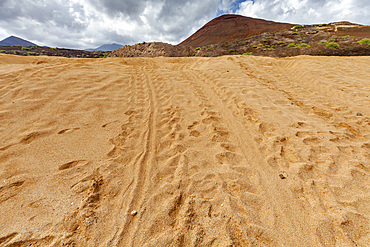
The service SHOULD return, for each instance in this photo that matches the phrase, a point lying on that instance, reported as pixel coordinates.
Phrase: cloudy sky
(91, 23)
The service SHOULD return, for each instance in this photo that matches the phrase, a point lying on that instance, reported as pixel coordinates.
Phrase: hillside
(328, 40)
(230, 27)
(12, 40)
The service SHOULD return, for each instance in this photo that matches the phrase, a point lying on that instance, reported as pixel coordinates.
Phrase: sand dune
(228, 151)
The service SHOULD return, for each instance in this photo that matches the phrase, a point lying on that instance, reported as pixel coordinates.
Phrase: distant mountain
(107, 47)
(227, 28)
(12, 40)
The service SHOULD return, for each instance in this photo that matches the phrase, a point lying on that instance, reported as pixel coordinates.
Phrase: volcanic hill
(13, 40)
(230, 27)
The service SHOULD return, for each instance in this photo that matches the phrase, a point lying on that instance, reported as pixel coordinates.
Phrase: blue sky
(91, 23)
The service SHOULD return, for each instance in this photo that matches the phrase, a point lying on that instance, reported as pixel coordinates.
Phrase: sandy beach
(226, 151)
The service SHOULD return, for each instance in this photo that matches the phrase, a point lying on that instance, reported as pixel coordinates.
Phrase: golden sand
(228, 151)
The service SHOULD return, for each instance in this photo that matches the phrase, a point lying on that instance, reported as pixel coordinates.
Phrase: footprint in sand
(72, 164)
(67, 130)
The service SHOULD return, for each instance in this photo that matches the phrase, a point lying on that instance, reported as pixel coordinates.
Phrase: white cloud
(307, 11)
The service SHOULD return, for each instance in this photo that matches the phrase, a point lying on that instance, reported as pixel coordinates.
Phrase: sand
(227, 151)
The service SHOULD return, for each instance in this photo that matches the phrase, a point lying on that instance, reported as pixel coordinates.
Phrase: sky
(90, 23)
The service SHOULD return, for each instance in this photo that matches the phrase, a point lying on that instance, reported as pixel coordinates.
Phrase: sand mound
(228, 151)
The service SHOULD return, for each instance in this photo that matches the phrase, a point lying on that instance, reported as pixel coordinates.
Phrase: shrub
(364, 41)
(25, 48)
(255, 46)
(323, 42)
(78, 55)
(16, 52)
(323, 25)
(332, 45)
(292, 45)
(298, 27)
(267, 46)
(304, 45)
(264, 40)
(243, 43)
(248, 53)
(270, 49)
(294, 33)
(280, 42)
(331, 39)
(198, 48)
(2, 51)
(264, 49)
(300, 39)
(232, 50)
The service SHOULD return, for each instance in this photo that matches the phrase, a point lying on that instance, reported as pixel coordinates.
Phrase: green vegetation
(280, 42)
(198, 48)
(322, 42)
(294, 33)
(209, 48)
(2, 51)
(332, 39)
(243, 43)
(300, 39)
(248, 53)
(364, 41)
(264, 40)
(78, 55)
(232, 50)
(267, 46)
(332, 45)
(25, 48)
(16, 52)
(292, 45)
(264, 49)
(298, 27)
(304, 45)
(270, 49)
(323, 25)
(255, 46)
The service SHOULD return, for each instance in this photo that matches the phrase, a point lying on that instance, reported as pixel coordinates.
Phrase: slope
(230, 27)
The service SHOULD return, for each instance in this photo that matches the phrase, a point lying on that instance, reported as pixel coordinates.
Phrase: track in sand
(227, 151)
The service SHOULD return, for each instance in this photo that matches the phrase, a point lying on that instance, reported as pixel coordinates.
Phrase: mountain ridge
(106, 47)
(13, 40)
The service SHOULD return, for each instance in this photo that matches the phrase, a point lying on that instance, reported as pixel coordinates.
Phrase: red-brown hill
(231, 27)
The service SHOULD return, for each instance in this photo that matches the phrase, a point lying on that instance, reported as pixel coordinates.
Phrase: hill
(12, 40)
(323, 39)
(230, 27)
(107, 47)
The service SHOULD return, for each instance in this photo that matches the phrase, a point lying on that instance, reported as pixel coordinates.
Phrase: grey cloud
(128, 8)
